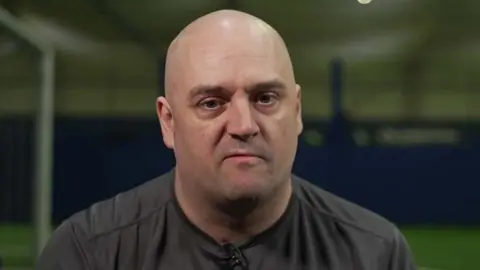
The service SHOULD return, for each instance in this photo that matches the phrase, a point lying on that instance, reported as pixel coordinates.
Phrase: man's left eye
(266, 99)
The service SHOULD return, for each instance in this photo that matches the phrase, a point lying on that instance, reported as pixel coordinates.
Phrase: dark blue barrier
(96, 158)
(406, 185)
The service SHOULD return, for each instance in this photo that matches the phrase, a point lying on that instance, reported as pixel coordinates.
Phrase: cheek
(288, 142)
(282, 133)
(196, 139)
(203, 142)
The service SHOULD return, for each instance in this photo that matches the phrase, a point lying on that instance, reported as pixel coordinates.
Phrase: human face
(233, 121)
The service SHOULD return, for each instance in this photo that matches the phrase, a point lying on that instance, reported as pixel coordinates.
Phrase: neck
(232, 221)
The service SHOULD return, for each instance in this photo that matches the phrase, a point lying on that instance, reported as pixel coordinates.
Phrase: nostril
(243, 137)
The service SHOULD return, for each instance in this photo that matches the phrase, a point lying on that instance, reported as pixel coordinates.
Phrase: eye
(211, 103)
(266, 98)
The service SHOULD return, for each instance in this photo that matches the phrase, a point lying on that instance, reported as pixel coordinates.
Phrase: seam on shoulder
(135, 221)
(323, 213)
(389, 253)
(82, 250)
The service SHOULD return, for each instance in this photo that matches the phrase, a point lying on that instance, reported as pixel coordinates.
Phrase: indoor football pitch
(435, 248)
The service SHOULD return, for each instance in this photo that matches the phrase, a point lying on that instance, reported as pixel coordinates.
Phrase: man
(232, 116)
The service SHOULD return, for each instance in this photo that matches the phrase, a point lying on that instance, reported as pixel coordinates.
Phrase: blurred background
(391, 93)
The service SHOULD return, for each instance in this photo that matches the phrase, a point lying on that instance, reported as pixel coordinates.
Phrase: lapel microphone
(235, 258)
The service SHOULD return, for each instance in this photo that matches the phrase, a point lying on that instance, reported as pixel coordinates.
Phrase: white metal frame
(42, 205)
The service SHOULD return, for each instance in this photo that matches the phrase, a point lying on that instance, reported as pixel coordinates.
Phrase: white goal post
(44, 124)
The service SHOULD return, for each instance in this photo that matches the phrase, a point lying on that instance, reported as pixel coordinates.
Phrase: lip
(243, 159)
(242, 155)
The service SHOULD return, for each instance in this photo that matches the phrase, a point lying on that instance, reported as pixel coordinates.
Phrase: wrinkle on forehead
(221, 35)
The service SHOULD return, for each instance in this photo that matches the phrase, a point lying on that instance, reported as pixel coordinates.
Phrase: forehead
(231, 61)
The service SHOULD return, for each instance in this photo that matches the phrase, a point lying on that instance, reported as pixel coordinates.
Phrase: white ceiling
(95, 35)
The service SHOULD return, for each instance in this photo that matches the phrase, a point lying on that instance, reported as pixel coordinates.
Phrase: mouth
(243, 157)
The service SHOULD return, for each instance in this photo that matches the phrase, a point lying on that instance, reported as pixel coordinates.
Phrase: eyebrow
(206, 90)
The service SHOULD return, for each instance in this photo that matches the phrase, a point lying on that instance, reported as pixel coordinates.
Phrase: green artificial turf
(433, 247)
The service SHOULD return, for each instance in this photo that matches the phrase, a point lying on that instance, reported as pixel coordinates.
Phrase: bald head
(230, 87)
(221, 35)
(224, 22)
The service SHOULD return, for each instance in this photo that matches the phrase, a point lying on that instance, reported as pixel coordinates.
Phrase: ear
(165, 117)
(299, 109)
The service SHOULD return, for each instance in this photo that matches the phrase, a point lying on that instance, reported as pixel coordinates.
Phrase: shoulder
(342, 211)
(372, 236)
(99, 227)
(124, 209)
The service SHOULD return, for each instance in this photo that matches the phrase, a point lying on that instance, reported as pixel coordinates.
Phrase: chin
(244, 188)
(243, 183)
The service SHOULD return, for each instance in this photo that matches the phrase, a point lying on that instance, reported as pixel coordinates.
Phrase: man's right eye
(211, 103)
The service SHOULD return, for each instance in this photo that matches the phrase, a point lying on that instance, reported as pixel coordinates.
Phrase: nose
(241, 123)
